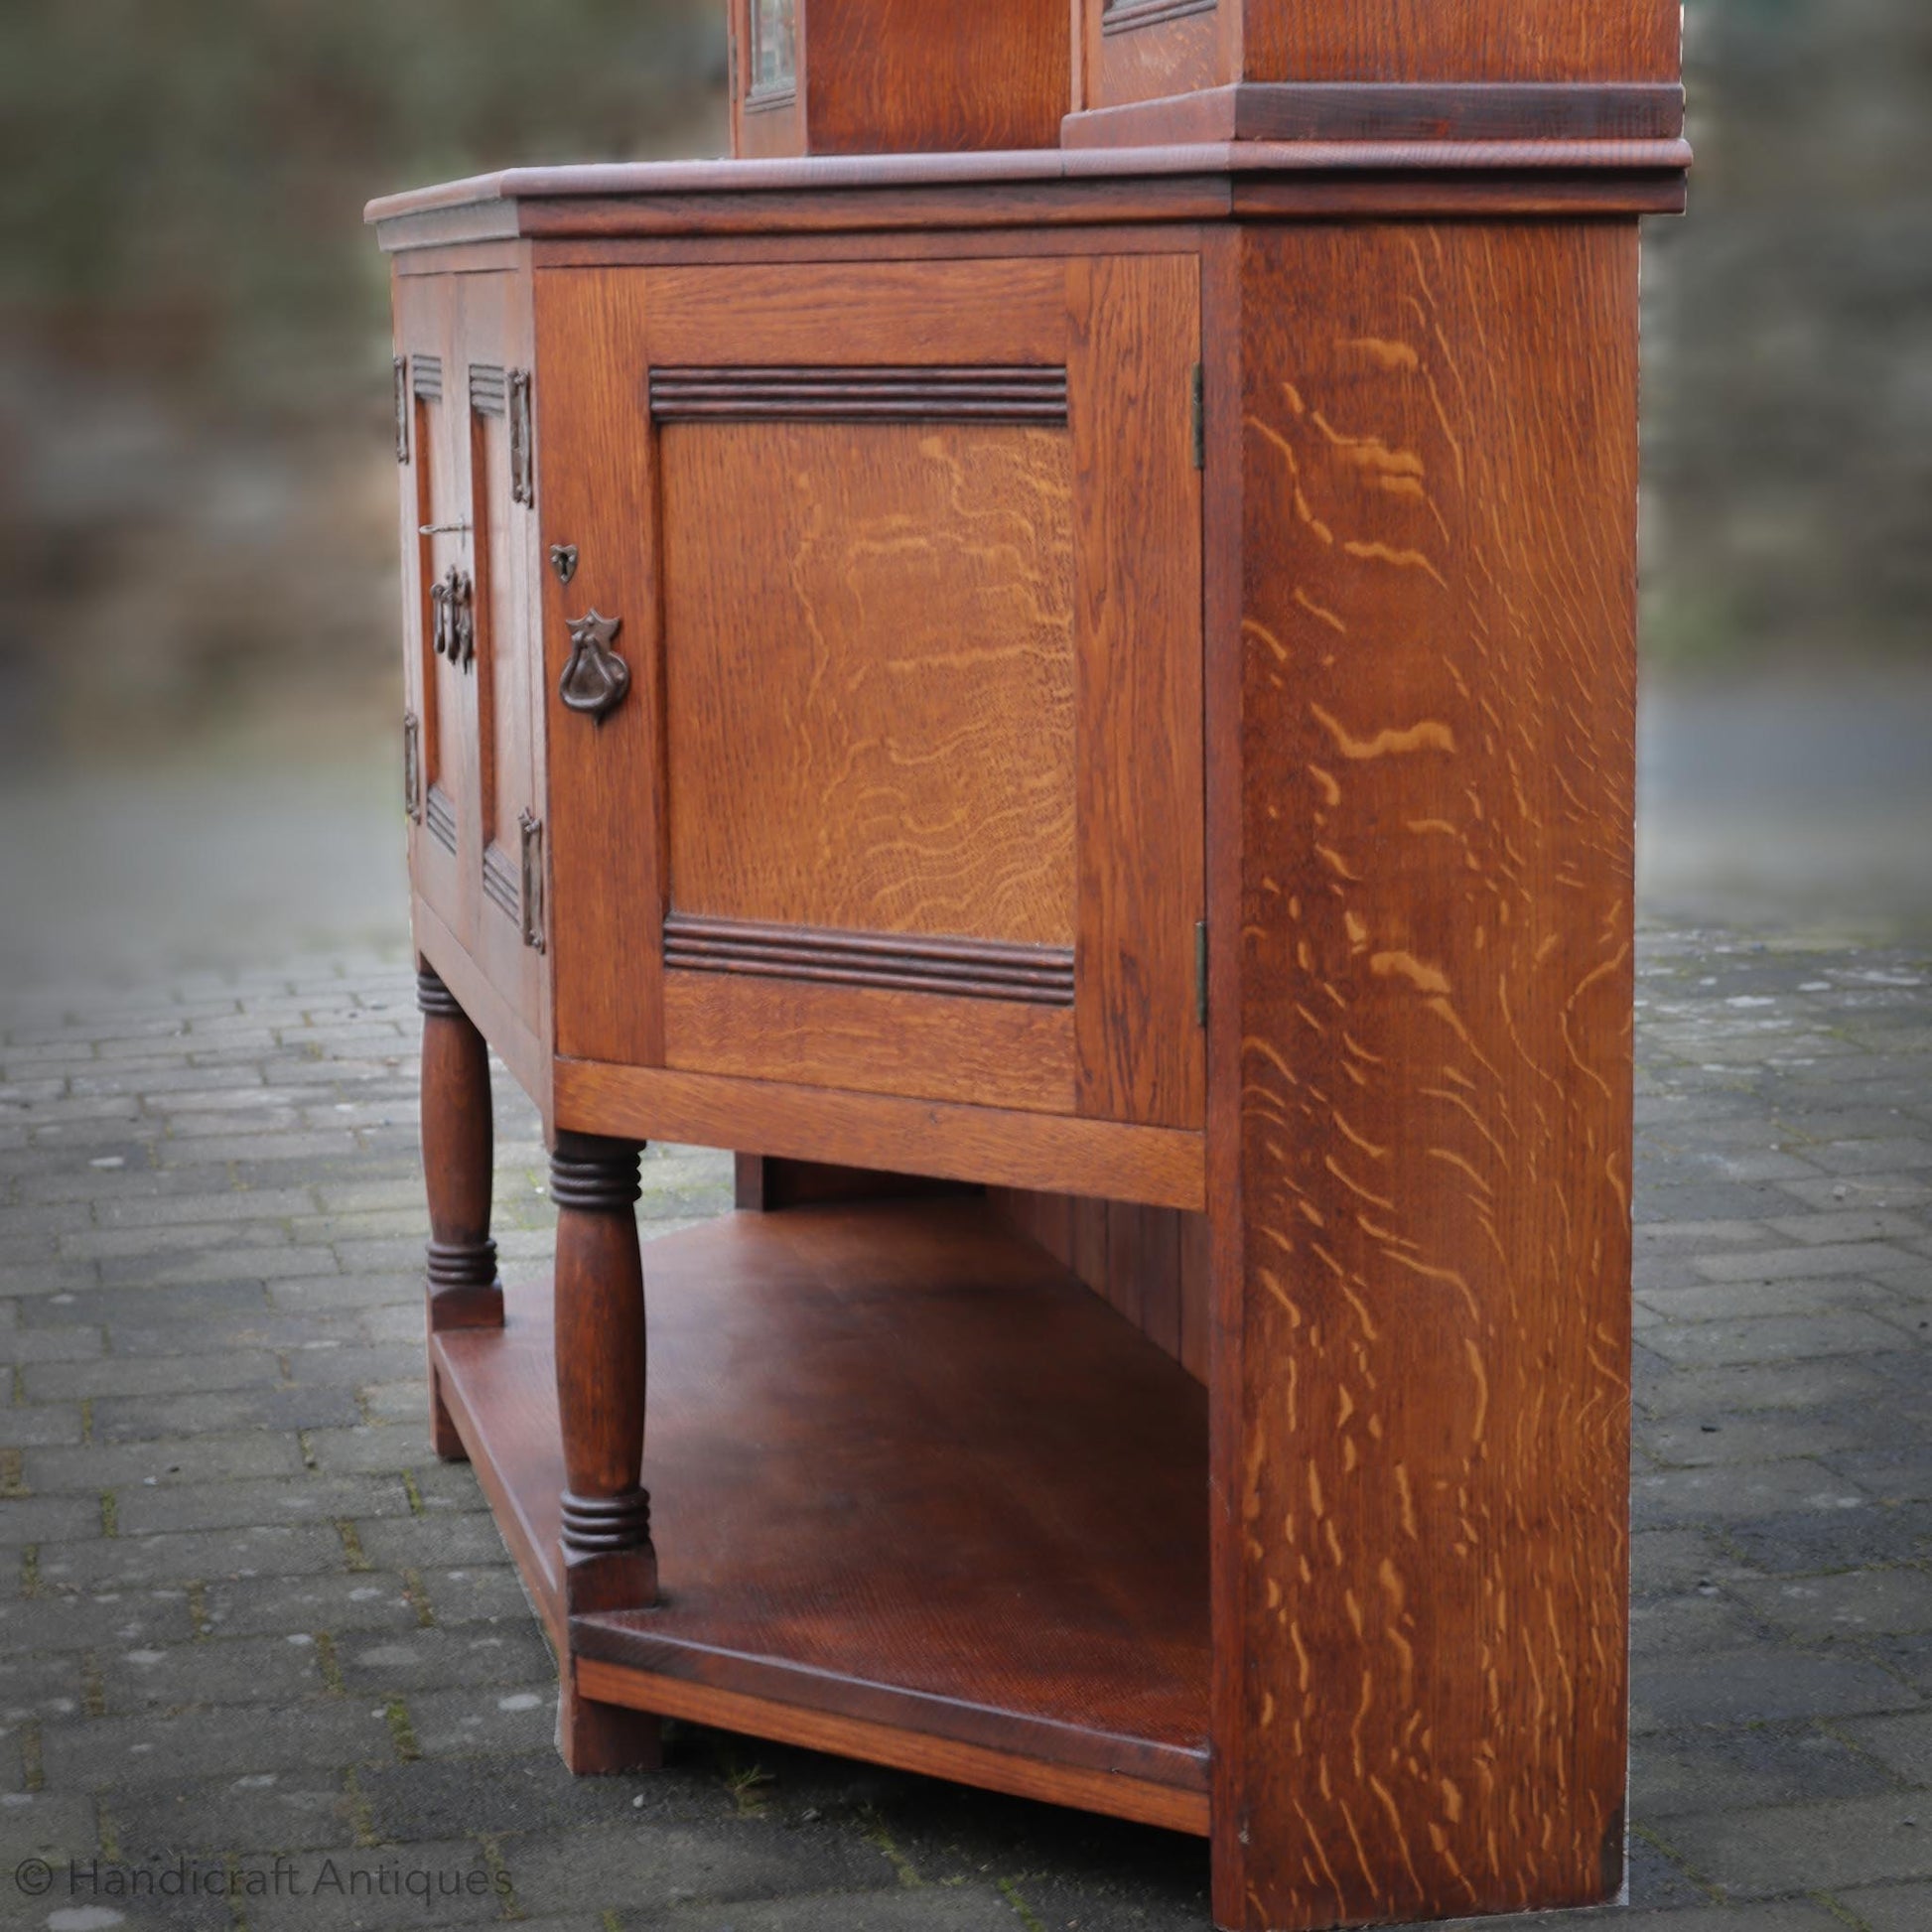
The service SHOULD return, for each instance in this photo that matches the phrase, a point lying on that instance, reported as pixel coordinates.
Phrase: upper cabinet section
(1136, 51)
(896, 77)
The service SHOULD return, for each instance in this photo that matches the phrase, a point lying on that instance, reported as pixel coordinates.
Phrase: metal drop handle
(596, 677)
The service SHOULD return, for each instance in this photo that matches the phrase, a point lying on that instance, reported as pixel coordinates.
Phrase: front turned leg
(464, 1291)
(608, 1561)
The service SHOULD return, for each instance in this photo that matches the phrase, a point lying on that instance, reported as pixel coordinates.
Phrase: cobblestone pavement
(248, 1615)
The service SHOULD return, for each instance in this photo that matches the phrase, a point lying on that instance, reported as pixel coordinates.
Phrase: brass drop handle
(596, 677)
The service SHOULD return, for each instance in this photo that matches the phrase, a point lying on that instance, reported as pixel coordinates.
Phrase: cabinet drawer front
(908, 565)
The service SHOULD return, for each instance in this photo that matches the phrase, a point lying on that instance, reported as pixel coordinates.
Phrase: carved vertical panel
(1425, 1628)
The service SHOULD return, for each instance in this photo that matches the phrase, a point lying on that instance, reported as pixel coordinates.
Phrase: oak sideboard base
(998, 1574)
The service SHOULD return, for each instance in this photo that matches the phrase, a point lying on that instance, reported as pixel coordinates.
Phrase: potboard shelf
(917, 1496)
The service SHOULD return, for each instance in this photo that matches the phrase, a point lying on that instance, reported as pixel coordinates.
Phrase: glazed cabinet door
(469, 541)
(903, 793)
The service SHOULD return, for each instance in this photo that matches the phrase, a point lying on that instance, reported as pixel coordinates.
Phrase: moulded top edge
(823, 174)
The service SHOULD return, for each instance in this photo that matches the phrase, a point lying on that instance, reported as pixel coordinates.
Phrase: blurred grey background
(198, 587)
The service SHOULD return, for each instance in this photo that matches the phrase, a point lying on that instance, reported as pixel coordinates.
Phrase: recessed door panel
(907, 561)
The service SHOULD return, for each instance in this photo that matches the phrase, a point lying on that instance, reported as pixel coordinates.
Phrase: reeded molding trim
(892, 394)
(973, 969)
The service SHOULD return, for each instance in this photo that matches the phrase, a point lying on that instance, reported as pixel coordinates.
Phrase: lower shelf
(919, 1497)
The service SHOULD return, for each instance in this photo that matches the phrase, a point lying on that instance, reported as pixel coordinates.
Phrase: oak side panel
(1135, 324)
(925, 1045)
(1421, 1696)
(1163, 51)
(606, 827)
(870, 676)
(1463, 40)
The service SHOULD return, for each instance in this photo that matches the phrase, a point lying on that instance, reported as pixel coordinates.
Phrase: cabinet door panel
(879, 552)
(505, 811)
(433, 491)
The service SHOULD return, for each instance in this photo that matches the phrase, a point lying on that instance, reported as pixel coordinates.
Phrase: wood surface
(881, 77)
(600, 1356)
(1001, 1146)
(1135, 1799)
(606, 821)
(458, 1157)
(493, 312)
(984, 969)
(1147, 1264)
(870, 676)
(1030, 1457)
(1422, 1075)
(896, 313)
(767, 1184)
(1136, 507)
(915, 197)
(1343, 110)
(982, 1053)
(1461, 40)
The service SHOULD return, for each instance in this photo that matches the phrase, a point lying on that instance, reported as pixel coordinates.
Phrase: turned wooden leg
(608, 1561)
(458, 1152)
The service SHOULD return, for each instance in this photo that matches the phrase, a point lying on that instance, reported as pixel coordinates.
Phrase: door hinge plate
(1199, 404)
(1200, 972)
(531, 827)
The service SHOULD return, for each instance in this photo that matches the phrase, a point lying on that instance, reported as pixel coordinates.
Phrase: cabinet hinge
(523, 482)
(402, 408)
(412, 768)
(531, 828)
(1200, 972)
(1199, 393)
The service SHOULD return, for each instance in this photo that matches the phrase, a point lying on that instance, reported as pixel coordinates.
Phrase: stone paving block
(1759, 1853)
(356, 1889)
(226, 1505)
(1903, 1152)
(336, 1294)
(220, 1671)
(107, 1306)
(1835, 1540)
(57, 1826)
(440, 1541)
(145, 1244)
(49, 1519)
(1892, 1475)
(1750, 1387)
(1680, 1626)
(1764, 1438)
(1789, 1915)
(136, 1375)
(28, 1346)
(1745, 1491)
(1668, 1562)
(464, 1656)
(1753, 1764)
(39, 1425)
(1902, 1745)
(484, 1717)
(507, 1793)
(476, 1593)
(1874, 1190)
(1829, 1258)
(366, 1366)
(282, 1811)
(1891, 1603)
(1761, 1684)
(143, 1561)
(1890, 1908)
(113, 1753)
(315, 1406)
(625, 1868)
(71, 1620)
(359, 1600)
(1753, 1300)
(925, 1909)
(1771, 1339)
